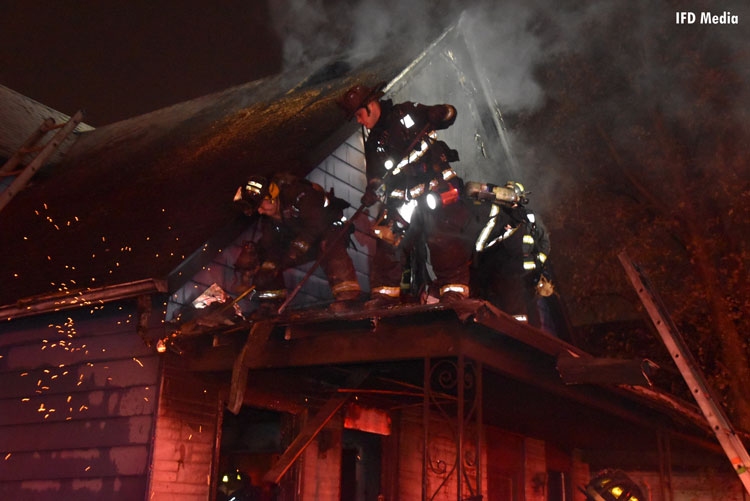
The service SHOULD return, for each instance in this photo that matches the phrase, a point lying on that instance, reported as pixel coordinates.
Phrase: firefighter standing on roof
(405, 163)
(512, 248)
(298, 221)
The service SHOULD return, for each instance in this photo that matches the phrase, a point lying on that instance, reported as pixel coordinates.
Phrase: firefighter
(511, 269)
(405, 163)
(298, 220)
(613, 485)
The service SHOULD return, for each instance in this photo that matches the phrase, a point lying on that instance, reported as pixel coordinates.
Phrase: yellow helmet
(257, 188)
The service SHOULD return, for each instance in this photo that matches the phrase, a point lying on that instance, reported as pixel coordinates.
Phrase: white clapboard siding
(185, 438)
(94, 489)
(78, 397)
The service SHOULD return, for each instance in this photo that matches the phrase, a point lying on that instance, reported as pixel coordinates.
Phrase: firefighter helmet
(613, 485)
(257, 188)
(358, 97)
(519, 192)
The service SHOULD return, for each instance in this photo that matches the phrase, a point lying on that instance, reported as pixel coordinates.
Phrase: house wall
(505, 465)
(321, 464)
(78, 392)
(514, 468)
(185, 438)
(442, 453)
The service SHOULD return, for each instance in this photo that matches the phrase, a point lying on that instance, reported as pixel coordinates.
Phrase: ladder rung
(23, 178)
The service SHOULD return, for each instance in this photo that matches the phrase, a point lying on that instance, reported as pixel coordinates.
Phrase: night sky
(117, 59)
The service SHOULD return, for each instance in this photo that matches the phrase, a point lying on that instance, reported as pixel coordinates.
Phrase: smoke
(502, 35)
(309, 30)
(317, 29)
(606, 64)
(507, 50)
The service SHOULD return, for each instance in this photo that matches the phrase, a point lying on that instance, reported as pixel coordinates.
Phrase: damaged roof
(132, 200)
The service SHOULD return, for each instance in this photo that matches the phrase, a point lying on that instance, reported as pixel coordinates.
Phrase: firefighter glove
(544, 286)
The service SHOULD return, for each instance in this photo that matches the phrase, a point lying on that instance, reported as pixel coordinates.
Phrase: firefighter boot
(379, 300)
(452, 293)
(345, 301)
(451, 297)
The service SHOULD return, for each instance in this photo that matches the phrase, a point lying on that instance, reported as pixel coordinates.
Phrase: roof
(132, 200)
(22, 116)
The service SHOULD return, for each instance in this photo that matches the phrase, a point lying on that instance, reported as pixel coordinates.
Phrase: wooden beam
(46, 303)
(528, 368)
(386, 342)
(579, 370)
(500, 321)
(313, 427)
(256, 341)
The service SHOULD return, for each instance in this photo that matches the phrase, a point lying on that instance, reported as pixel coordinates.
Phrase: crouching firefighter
(298, 222)
(510, 268)
(406, 163)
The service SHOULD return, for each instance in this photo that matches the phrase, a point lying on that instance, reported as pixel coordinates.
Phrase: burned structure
(106, 248)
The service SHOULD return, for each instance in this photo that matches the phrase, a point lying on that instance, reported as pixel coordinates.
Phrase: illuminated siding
(78, 393)
(185, 438)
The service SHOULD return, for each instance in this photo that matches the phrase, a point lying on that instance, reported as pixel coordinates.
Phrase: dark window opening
(557, 486)
(360, 466)
(251, 442)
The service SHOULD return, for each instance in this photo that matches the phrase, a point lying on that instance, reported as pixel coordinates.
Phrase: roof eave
(48, 303)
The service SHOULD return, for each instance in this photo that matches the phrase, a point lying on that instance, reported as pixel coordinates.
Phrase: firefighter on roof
(298, 221)
(405, 164)
(512, 247)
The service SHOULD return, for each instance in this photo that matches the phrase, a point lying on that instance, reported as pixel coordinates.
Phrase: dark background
(118, 59)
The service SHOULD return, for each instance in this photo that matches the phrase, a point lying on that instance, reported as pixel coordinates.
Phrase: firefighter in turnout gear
(511, 251)
(405, 164)
(298, 221)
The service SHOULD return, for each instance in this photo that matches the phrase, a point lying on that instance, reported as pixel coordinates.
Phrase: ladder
(699, 388)
(42, 155)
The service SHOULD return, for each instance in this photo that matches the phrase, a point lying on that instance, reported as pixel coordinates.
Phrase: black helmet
(358, 97)
(250, 196)
(613, 485)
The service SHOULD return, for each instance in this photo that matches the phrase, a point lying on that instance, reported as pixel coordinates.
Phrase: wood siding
(185, 438)
(442, 449)
(321, 464)
(78, 392)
